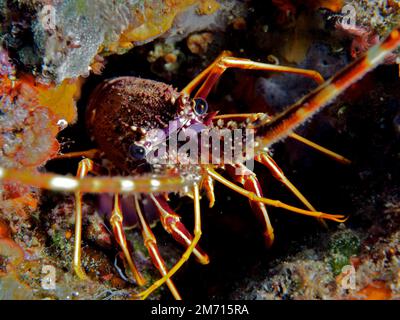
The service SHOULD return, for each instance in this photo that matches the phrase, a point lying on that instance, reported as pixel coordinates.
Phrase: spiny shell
(120, 109)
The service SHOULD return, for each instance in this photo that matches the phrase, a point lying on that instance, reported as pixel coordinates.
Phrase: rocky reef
(61, 40)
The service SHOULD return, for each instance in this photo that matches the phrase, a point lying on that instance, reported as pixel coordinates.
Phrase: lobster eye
(137, 152)
(200, 106)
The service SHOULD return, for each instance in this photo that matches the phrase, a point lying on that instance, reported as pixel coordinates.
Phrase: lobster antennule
(57, 182)
(270, 131)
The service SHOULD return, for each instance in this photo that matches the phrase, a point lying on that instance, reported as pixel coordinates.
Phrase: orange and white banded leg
(248, 179)
(172, 224)
(208, 186)
(270, 202)
(187, 253)
(278, 174)
(224, 61)
(104, 184)
(116, 222)
(151, 245)
(84, 167)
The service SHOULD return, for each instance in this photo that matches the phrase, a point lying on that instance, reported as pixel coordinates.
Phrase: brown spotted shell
(118, 111)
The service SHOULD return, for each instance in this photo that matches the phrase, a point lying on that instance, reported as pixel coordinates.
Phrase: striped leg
(172, 224)
(267, 161)
(116, 184)
(188, 252)
(119, 233)
(151, 245)
(274, 203)
(211, 75)
(84, 167)
(278, 174)
(208, 186)
(250, 182)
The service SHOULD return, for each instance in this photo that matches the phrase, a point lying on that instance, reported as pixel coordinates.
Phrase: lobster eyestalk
(269, 131)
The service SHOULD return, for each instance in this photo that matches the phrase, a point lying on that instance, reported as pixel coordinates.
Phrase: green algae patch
(342, 247)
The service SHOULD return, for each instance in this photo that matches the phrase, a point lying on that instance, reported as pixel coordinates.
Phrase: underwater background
(55, 53)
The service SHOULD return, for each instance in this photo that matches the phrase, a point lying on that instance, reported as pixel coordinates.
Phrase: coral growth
(314, 274)
(62, 39)
(29, 124)
(373, 20)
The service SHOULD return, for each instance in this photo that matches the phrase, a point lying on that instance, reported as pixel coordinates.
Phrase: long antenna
(269, 131)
